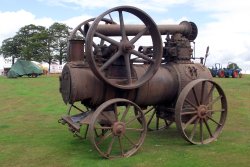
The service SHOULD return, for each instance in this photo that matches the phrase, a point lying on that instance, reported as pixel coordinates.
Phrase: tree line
(38, 43)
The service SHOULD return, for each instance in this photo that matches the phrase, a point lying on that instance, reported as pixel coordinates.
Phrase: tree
(59, 37)
(32, 39)
(37, 43)
(11, 48)
(48, 57)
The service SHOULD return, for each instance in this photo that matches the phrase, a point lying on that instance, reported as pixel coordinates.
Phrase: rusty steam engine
(124, 81)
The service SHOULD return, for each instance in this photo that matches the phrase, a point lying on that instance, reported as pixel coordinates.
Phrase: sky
(223, 25)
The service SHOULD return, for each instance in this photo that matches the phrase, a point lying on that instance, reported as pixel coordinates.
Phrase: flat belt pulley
(126, 49)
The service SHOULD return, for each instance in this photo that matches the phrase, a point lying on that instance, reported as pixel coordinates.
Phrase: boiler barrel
(80, 84)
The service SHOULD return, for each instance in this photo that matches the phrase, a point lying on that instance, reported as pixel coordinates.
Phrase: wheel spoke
(104, 138)
(135, 129)
(81, 31)
(194, 129)
(120, 144)
(190, 103)
(125, 113)
(219, 110)
(110, 146)
(214, 121)
(189, 122)
(195, 96)
(167, 123)
(110, 61)
(214, 101)
(95, 46)
(202, 92)
(201, 130)
(130, 140)
(131, 120)
(208, 128)
(123, 31)
(150, 109)
(105, 38)
(139, 35)
(189, 113)
(141, 55)
(187, 109)
(96, 133)
(128, 69)
(102, 42)
(107, 117)
(209, 93)
(157, 123)
(151, 118)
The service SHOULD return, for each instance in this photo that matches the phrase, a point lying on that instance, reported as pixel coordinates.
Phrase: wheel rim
(79, 34)
(115, 130)
(125, 49)
(201, 111)
(154, 122)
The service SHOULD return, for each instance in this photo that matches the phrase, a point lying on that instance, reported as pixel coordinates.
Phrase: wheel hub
(202, 111)
(119, 128)
(126, 46)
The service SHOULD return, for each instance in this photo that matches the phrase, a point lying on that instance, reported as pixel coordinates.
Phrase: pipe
(188, 29)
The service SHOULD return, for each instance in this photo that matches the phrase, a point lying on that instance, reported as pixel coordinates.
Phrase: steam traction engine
(129, 82)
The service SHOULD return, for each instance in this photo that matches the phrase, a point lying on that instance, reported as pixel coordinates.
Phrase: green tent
(23, 67)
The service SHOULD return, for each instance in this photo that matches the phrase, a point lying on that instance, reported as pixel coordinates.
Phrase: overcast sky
(223, 24)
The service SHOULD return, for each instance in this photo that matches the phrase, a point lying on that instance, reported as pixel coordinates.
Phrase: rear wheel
(201, 111)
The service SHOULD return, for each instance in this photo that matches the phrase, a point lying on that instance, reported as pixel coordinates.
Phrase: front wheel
(115, 130)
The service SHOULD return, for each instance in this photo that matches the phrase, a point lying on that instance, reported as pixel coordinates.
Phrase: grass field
(31, 136)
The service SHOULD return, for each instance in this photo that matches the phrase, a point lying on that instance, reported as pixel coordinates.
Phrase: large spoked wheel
(115, 130)
(154, 120)
(79, 35)
(125, 47)
(201, 111)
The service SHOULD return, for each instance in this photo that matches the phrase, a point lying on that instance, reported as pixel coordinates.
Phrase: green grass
(30, 135)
